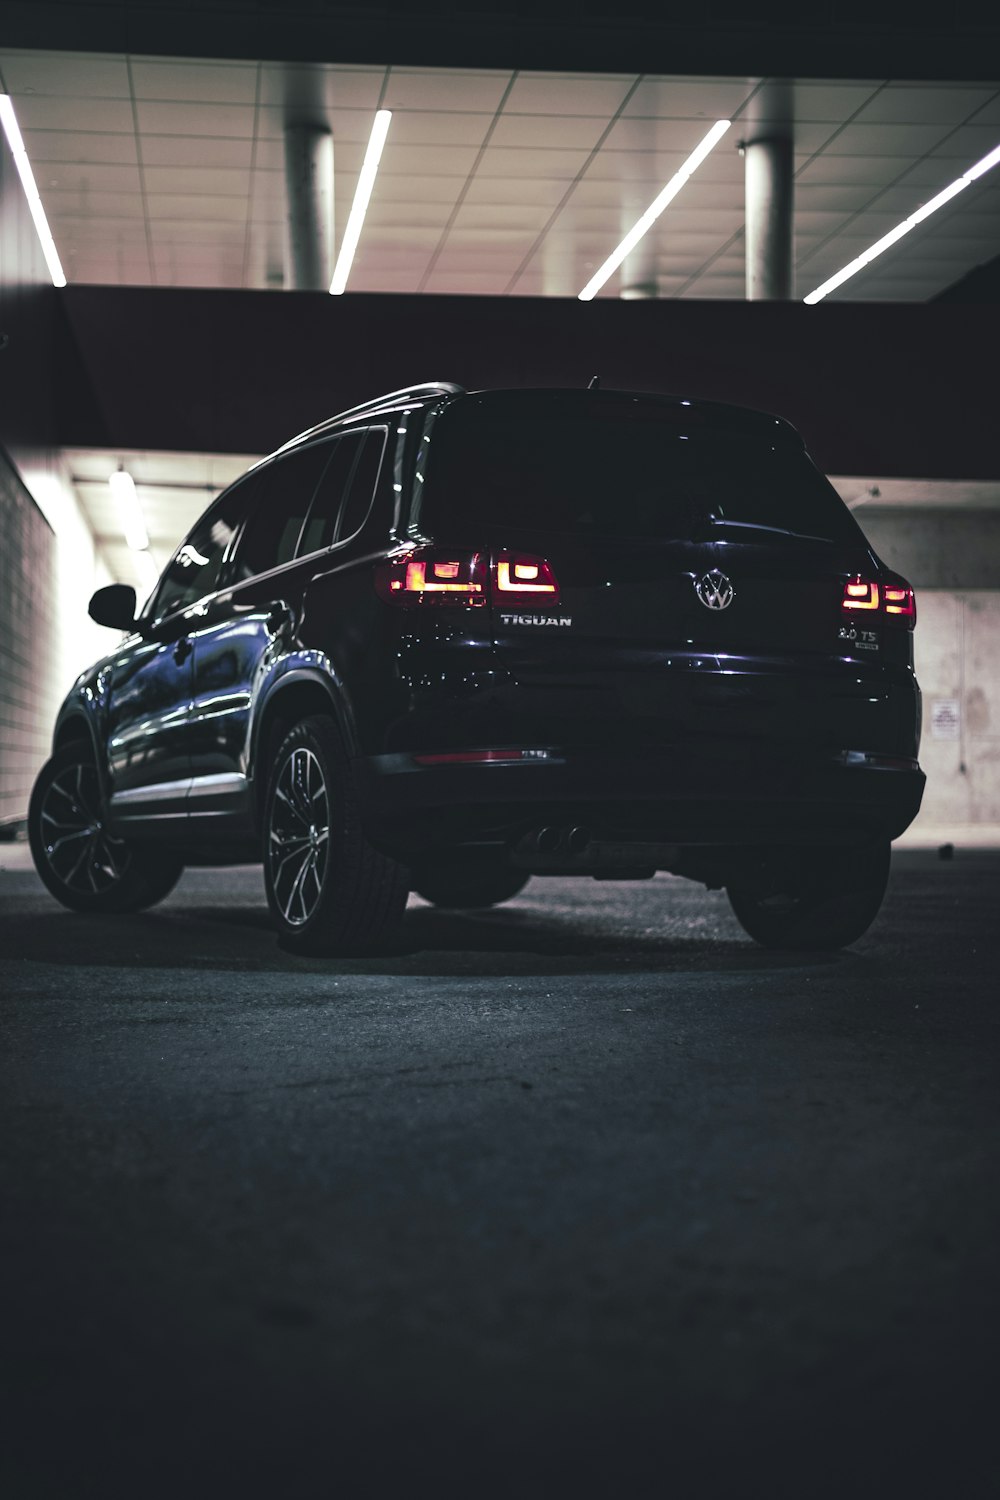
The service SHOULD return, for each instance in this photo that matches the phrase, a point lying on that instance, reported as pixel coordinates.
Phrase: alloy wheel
(81, 853)
(299, 836)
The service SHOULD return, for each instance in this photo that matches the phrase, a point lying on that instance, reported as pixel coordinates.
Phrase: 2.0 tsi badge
(714, 590)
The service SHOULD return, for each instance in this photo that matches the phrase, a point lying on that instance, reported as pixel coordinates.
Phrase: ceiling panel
(62, 74)
(439, 88)
(74, 112)
(684, 98)
(205, 83)
(916, 104)
(567, 94)
(83, 147)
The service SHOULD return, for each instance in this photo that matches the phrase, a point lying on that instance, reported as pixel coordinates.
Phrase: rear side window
(363, 482)
(273, 529)
(346, 491)
(321, 525)
(194, 571)
(568, 473)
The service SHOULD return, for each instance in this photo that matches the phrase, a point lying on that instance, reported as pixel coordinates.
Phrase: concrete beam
(874, 388)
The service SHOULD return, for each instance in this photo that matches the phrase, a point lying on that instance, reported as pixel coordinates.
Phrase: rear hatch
(700, 559)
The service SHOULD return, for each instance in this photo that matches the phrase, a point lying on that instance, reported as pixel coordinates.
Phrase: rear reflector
(481, 757)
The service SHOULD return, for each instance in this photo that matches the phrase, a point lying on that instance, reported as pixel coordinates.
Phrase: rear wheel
(464, 887)
(330, 891)
(81, 863)
(821, 898)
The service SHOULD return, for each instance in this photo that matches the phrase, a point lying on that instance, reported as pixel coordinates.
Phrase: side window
(321, 526)
(363, 482)
(195, 569)
(273, 528)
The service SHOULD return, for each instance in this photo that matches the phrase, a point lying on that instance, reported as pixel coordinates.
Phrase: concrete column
(768, 166)
(309, 184)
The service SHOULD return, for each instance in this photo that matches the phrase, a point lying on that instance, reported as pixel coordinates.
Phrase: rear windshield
(621, 478)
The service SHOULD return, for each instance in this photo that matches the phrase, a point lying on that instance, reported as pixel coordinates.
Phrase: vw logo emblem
(714, 590)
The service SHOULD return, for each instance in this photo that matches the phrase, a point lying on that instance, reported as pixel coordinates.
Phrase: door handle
(182, 650)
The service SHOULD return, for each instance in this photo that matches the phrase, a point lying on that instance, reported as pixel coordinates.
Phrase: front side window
(272, 532)
(194, 571)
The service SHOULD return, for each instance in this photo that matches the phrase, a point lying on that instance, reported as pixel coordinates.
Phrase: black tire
(79, 861)
(464, 887)
(330, 891)
(821, 898)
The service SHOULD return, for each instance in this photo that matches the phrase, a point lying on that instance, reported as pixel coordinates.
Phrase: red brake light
(519, 573)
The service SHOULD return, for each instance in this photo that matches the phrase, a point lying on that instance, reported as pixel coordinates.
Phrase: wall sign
(946, 719)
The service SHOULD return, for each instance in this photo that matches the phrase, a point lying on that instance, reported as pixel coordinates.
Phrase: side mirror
(114, 606)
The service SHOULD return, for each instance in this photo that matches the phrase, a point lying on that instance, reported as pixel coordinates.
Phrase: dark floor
(583, 1195)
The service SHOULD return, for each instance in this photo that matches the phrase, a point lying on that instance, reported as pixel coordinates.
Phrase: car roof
(717, 414)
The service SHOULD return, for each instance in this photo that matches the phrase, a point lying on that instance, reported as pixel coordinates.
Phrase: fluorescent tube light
(924, 212)
(359, 207)
(23, 165)
(654, 210)
(122, 486)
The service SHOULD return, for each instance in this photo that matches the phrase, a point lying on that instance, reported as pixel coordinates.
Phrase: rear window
(621, 478)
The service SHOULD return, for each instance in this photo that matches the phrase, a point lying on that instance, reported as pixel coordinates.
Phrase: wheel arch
(295, 696)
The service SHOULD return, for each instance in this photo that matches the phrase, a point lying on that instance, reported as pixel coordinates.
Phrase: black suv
(449, 640)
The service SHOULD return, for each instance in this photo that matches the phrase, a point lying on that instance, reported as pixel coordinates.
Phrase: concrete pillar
(768, 167)
(309, 184)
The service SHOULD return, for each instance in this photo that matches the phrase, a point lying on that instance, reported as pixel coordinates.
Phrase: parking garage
(584, 1190)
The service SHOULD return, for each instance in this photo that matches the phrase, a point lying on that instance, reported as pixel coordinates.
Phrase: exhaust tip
(578, 840)
(547, 840)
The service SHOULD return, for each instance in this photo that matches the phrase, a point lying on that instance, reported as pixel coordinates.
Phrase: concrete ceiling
(169, 172)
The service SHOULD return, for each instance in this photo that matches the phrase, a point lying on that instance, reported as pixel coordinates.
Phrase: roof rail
(429, 388)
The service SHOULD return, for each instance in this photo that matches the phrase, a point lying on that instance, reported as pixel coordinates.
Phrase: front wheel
(81, 863)
(330, 891)
(820, 898)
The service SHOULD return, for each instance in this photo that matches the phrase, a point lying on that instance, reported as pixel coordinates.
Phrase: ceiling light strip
(922, 213)
(122, 487)
(16, 143)
(359, 207)
(654, 210)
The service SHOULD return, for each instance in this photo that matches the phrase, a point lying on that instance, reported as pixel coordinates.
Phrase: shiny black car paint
(683, 735)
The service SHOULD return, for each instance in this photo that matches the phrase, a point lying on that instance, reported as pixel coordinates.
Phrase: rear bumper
(710, 795)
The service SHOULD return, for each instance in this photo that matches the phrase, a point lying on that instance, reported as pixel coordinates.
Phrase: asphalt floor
(582, 1195)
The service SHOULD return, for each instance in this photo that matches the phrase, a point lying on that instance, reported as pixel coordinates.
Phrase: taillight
(433, 575)
(893, 599)
(859, 593)
(438, 575)
(900, 601)
(519, 573)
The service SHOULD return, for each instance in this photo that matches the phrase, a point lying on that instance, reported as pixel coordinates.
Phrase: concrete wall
(953, 561)
(48, 561)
